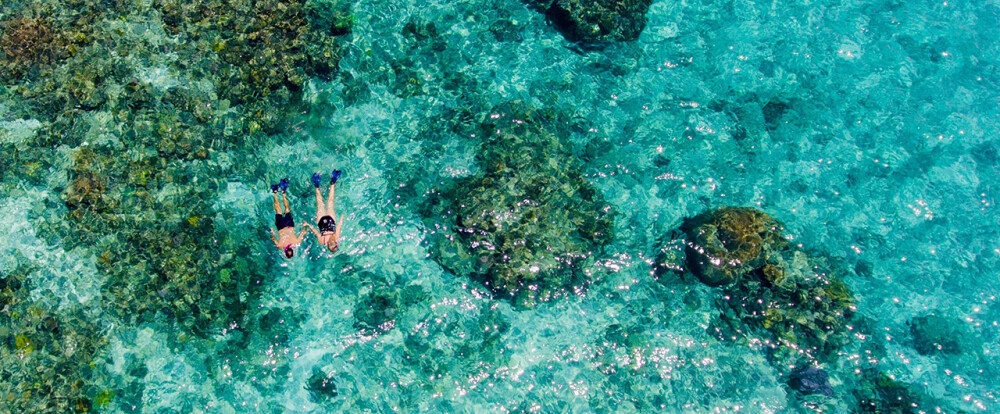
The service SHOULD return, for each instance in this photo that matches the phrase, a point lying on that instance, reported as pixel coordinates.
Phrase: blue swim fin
(274, 188)
(316, 179)
(334, 176)
(284, 184)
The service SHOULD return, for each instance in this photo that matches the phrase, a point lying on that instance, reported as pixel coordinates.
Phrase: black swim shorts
(282, 221)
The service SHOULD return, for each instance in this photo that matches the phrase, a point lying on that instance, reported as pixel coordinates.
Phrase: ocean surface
(869, 129)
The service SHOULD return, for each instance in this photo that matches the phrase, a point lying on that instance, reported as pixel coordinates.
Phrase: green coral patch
(528, 223)
(794, 302)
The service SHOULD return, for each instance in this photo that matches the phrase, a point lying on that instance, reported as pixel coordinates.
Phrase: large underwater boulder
(596, 20)
(528, 222)
(726, 243)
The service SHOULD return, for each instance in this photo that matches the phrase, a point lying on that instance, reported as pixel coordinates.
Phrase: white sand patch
(61, 278)
(18, 130)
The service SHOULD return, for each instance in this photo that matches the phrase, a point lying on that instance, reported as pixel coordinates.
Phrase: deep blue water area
(135, 194)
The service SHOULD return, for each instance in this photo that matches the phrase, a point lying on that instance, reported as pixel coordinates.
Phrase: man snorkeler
(329, 229)
(286, 240)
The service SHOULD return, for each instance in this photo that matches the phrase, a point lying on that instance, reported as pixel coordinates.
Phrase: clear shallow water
(878, 147)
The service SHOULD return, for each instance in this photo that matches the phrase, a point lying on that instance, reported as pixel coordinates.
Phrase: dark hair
(289, 252)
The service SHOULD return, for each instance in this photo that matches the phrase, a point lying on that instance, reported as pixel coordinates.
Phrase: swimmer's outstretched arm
(273, 239)
(312, 229)
(340, 225)
(303, 232)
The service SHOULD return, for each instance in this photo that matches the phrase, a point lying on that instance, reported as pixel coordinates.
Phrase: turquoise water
(868, 129)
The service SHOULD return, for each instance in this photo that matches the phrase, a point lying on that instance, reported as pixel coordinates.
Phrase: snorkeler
(286, 240)
(329, 229)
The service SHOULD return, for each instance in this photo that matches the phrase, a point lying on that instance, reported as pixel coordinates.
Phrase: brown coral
(26, 42)
(86, 190)
(727, 243)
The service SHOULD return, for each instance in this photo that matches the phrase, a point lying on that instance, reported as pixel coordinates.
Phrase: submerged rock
(725, 244)
(811, 380)
(427, 64)
(528, 223)
(454, 344)
(506, 31)
(376, 311)
(879, 393)
(321, 386)
(934, 334)
(596, 20)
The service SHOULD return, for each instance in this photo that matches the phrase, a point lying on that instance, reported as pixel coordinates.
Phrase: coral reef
(264, 46)
(440, 340)
(45, 356)
(727, 243)
(528, 222)
(147, 102)
(596, 21)
(26, 43)
(195, 273)
(99, 103)
(795, 300)
(505, 30)
(428, 67)
(807, 311)
(799, 304)
(374, 312)
(794, 305)
(430, 354)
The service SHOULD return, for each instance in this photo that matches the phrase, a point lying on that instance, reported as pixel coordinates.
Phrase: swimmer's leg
(330, 202)
(320, 212)
(285, 198)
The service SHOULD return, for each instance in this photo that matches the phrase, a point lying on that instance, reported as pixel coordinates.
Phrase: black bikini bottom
(327, 224)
